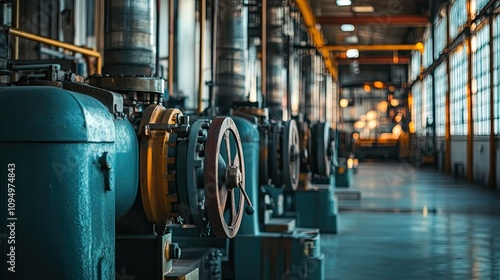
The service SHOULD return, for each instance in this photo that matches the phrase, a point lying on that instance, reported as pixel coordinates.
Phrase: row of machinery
(106, 179)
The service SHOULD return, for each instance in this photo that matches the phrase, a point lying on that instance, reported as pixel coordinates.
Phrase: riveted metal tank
(70, 158)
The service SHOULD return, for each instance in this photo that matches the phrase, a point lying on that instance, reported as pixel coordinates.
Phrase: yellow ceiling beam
(315, 34)
(409, 47)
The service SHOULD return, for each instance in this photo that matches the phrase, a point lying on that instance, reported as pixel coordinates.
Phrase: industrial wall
(482, 155)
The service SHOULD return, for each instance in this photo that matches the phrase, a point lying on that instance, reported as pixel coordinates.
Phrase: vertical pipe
(264, 53)
(447, 162)
(98, 29)
(470, 120)
(15, 22)
(289, 78)
(201, 82)
(492, 180)
(157, 57)
(231, 56)
(171, 43)
(129, 45)
(215, 17)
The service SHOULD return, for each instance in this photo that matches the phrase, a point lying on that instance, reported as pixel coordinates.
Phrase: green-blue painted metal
(269, 256)
(318, 208)
(69, 154)
(126, 166)
(249, 135)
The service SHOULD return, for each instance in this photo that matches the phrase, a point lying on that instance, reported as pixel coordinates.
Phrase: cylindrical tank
(231, 55)
(59, 155)
(129, 43)
(276, 81)
(249, 135)
(126, 166)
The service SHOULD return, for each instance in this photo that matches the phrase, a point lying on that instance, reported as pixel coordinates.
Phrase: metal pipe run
(51, 42)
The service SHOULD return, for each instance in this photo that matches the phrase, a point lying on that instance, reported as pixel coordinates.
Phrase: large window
(415, 65)
(458, 17)
(440, 39)
(427, 104)
(458, 91)
(496, 65)
(441, 79)
(481, 80)
(480, 4)
(428, 56)
(416, 113)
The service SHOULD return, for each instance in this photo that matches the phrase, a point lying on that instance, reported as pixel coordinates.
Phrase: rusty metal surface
(155, 177)
(222, 193)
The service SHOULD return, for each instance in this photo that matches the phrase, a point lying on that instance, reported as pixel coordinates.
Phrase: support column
(447, 154)
(492, 180)
(470, 119)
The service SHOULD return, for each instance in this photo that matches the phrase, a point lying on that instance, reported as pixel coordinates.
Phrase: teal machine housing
(321, 194)
(268, 255)
(75, 169)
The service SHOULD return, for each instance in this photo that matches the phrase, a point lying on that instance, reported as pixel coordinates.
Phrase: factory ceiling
(371, 23)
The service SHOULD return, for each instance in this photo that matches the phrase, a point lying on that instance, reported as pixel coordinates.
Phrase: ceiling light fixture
(352, 53)
(341, 3)
(363, 9)
(347, 27)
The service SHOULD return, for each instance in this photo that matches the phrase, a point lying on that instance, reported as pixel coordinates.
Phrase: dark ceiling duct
(231, 55)
(275, 85)
(129, 44)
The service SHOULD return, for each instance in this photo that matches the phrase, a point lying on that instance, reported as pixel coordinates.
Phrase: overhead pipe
(51, 42)
(232, 46)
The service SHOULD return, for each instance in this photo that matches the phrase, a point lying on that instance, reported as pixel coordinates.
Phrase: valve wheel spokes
(217, 189)
(291, 160)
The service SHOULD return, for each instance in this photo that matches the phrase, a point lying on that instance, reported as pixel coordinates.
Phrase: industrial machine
(99, 172)
(79, 165)
(317, 186)
(113, 183)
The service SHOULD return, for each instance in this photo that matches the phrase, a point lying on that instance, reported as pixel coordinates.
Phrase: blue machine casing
(66, 149)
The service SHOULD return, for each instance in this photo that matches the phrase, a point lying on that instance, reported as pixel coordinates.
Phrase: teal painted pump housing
(69, 168)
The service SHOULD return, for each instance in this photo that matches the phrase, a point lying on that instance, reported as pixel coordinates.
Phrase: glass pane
(439, 36)
(496, 66)
(458, 17)
(417, 106)
(458, 90)
(441, 80)
(415, 65)
(481, 81)
(428, 51)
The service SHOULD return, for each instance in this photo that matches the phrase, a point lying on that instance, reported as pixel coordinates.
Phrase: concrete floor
(414, 223)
